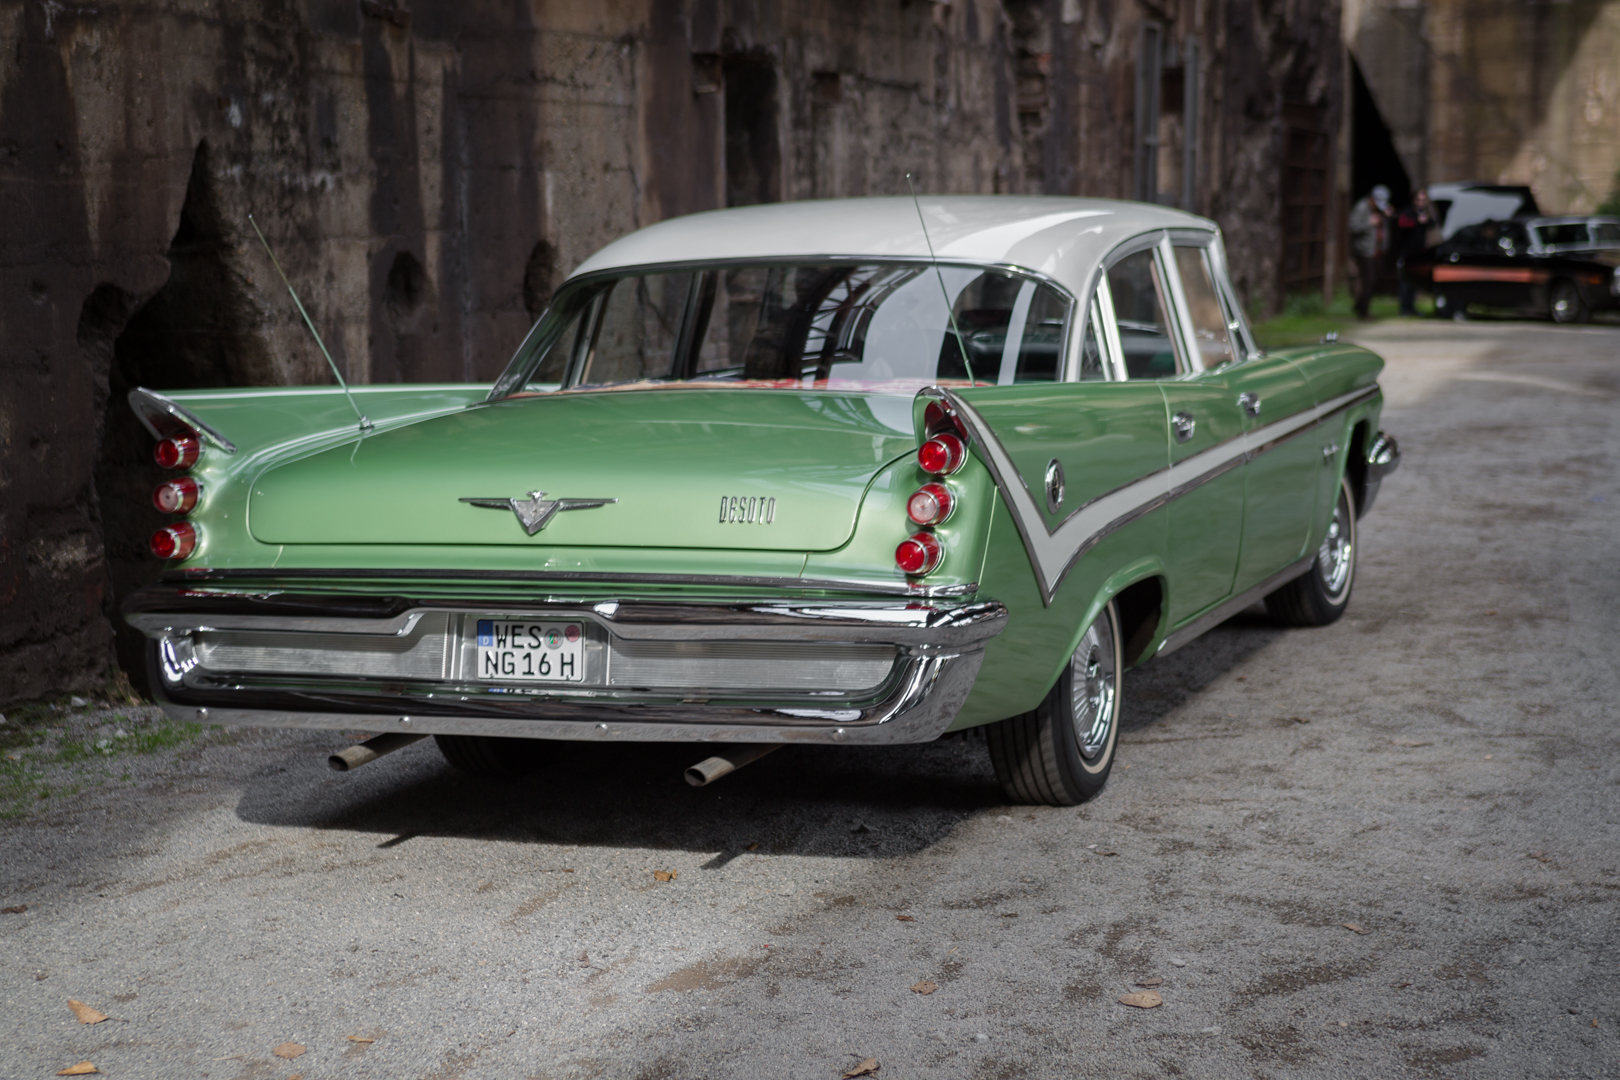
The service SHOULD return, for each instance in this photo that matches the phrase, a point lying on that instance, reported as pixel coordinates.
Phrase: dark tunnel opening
(196, 331)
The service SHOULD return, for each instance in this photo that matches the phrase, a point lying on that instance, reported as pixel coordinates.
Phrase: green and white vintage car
(752, 480)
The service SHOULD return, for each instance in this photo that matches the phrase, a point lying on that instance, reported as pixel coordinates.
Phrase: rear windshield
(833, 325)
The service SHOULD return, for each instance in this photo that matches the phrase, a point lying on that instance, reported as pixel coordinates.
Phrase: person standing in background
(1411, 237)
(1369, 239)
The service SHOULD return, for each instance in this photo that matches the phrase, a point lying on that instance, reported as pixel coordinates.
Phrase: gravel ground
(1437, 770)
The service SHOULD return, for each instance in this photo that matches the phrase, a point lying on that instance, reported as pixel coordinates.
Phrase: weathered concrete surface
(1498, 90)
(428, 173)
(1439, 769)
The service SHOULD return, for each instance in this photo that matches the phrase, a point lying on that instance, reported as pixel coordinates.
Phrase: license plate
(530, 651)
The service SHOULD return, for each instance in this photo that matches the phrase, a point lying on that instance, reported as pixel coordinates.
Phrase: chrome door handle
(1249, 403)
(1183, 424)
(1329, 453)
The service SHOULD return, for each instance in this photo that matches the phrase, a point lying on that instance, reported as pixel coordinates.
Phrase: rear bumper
(932, 648)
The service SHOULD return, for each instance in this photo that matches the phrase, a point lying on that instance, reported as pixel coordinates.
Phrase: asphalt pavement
(1390, 847)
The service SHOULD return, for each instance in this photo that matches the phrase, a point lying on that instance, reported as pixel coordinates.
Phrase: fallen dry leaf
(1402, 986)
(665, 875)
(1353, 928)
(1489, 756)
(925, 987)
(904, 918)
(1409, 742)
(85, 1013)
(296, 1076)
(1154, 981)
(584, 956)
(1009, 914)
(865, 1068)
(83, 1068)
(1539, 856)
(568, 869)
(1107, 853)
(361, 1039)
(754, 846)
(14, 909)
(1300, 719)
(1147, 999)
(289, 1050)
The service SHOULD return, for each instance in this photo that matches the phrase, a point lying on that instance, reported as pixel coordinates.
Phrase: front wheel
(1318, 596)
(1061, 753)
(1566, 305)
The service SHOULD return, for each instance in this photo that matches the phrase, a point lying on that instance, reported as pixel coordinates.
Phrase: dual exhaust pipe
(702, 774)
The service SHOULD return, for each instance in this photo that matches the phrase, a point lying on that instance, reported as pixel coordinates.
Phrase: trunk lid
(668, 456)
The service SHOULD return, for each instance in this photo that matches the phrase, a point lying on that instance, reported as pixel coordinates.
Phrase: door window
(1141, 313)
(1204, 310)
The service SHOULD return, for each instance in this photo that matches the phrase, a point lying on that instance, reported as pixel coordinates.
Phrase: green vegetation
(1306, 320)
(50, 750)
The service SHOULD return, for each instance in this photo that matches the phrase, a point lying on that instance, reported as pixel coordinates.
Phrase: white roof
(1062, 238)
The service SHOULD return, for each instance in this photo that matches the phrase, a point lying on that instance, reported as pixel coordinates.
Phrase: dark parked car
(1563, 267)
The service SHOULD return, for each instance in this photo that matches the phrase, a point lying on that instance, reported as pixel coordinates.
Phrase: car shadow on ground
(879, 802)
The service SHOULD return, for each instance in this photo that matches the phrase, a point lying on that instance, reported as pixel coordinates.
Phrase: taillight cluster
(942, 453)
(177, 496)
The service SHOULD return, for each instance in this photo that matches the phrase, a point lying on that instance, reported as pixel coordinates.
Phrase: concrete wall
(1508, 91)
(428, 172)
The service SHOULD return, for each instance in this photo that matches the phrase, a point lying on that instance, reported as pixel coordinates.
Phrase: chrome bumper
(938, 646)
(1383, 458)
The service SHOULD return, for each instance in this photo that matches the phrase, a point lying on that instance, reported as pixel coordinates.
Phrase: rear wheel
(1565, 304)
(488, 755)
(1061, 753)
(1318, 596)
(1447, 306)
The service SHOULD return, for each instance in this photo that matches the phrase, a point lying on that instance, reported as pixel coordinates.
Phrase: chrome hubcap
(1094, 681)
(1334, 560)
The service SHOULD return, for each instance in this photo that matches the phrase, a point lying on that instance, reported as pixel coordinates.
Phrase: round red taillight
(919, 553)
(175, 541)
(177, 453)
(931, 504)
(938, 417)
(176, 496)
(941, 455)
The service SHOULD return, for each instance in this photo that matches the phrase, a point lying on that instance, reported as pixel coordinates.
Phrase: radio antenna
(365, 424)
(950, 309)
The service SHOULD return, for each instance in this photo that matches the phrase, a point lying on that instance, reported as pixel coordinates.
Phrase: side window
(1141, 312)
(1204, 308)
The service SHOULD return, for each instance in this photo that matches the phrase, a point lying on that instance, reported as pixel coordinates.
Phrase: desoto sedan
(848, 472)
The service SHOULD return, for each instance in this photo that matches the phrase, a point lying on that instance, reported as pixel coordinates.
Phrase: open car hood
(671, 459)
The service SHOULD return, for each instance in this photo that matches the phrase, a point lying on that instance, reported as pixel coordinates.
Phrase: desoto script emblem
(746, 510)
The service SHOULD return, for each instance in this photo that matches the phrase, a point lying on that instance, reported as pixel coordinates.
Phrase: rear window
(853, 326)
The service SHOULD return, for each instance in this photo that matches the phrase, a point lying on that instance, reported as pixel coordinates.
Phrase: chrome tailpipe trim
(711, 769)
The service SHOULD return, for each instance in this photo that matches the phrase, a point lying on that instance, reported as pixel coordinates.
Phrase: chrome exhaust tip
(370, 750)
(711, 769)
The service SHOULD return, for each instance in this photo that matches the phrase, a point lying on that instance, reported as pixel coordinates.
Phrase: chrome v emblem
(535, 512)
